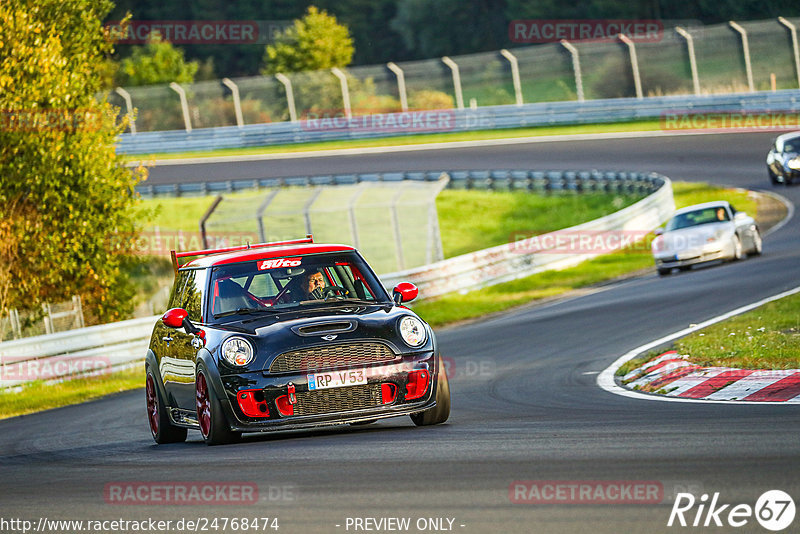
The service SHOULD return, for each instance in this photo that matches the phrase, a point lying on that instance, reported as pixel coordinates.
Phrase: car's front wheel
(213, 424)
(757, 244)
(439, 413)
(737, 248)
(772, 177)
(161, 427)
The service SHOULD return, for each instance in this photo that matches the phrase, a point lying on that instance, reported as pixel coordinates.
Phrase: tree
(66, 198)
(156, 62)
(316, 41)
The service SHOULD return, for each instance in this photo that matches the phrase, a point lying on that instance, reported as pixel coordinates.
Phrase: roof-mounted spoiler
(207, 252)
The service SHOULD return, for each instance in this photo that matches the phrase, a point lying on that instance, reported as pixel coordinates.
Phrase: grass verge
(636, 126)
(38, 396)
(765, 338)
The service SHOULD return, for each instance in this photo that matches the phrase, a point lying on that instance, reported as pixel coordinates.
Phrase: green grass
(456, 307)
(765, 338)
(635, 126)
(38, 396)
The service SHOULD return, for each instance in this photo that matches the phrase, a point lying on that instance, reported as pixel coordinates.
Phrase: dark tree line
(397, 30)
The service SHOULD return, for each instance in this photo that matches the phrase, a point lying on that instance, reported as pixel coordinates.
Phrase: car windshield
(698, 217)
(791, 146)
(292, 282)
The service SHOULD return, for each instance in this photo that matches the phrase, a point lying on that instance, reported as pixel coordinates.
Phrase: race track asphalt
(525, 403)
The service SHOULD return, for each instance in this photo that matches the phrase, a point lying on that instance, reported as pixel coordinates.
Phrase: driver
(313, 284)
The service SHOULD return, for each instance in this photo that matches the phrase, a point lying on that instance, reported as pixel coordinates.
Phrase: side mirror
(659, 231)
(404, 292)
(174, 318)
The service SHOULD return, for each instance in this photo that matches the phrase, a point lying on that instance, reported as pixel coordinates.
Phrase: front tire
(213, 424)
(161, 427)
(439, 413)
(737, 248)
(664, 272)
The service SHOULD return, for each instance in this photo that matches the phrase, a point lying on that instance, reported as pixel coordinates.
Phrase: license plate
(336, 379)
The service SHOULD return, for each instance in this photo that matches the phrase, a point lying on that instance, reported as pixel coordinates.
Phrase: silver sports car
(703, 233)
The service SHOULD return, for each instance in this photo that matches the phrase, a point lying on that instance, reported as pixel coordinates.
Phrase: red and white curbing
(673, 376)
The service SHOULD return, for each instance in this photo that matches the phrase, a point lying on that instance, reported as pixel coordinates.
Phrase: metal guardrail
(508, 262)
(460, 120)
(105, 348)
(536, 181)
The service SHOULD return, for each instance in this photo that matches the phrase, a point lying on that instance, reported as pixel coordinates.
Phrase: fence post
(351, 213)
(77, 307)
(401, 84)
(456, 81)
(692, 57)
(398, 239)
(434, 250)
(637, 81)
(205, 217)
(48, 321)
(237, 103)
(512, 59)
(287, 85)
(307, 208)
(793, 31)
(262, 235)
(126, 96)
(746, 48)
(345, 92)
(576, 68)
(184, 105)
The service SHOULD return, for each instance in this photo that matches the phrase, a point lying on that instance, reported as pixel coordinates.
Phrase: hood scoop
(324, 327)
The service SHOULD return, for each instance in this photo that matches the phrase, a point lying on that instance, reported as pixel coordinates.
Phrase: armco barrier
(504, 262)
(463, 120)
(104, 348)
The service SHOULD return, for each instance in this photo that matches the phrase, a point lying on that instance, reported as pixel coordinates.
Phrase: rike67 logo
(278, 263)
(774, 510)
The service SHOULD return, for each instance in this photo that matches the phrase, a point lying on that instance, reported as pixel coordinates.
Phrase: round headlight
(237, 351)
(793, 164)
(412, 331)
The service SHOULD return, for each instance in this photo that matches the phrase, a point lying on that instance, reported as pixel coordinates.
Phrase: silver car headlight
(412, 331)
(794, 164)
(237, 351)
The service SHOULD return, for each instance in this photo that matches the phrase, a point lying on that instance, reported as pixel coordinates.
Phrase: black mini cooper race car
(284, 336)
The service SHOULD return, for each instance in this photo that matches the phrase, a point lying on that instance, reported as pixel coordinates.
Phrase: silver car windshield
(698, 217)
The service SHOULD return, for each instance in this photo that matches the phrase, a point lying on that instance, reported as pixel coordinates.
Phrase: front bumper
(687, 258)
(359, 404)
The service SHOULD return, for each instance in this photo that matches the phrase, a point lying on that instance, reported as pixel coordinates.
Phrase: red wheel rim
(203, 405)
(152, 405)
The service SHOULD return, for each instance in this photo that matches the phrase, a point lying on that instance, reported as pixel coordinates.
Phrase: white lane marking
(606, 378)
(423, 146)
(591, 373)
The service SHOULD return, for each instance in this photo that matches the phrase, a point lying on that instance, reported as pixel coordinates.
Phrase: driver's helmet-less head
(313, 283)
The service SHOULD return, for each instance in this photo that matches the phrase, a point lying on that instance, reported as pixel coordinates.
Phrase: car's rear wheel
(213, 424)
(161, 427)
(439, 413)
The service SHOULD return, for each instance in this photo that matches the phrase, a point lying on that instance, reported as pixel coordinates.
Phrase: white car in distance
(702, 233)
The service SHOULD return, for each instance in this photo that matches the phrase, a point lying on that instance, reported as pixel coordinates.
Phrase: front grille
(338, 399)
(331, 356)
